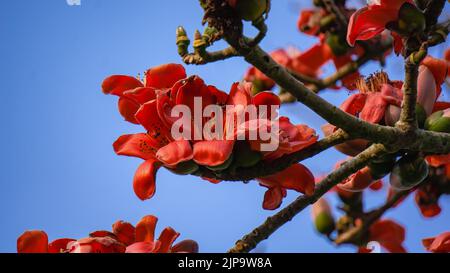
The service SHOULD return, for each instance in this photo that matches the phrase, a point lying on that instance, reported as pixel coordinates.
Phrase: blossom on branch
(124, 238)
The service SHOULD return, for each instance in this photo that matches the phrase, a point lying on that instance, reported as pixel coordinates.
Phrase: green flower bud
(408, 172)
(438, 122)
(182, 41)
(324, 223)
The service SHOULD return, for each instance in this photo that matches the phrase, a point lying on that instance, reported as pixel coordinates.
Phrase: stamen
(373, 83)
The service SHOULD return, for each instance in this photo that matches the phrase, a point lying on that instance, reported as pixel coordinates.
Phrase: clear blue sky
(58, 170)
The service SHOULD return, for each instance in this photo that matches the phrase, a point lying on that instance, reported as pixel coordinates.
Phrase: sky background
(58, 169)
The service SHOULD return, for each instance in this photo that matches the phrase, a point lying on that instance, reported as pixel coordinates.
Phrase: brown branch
(249, 241)
(354, 235)
(206, 57)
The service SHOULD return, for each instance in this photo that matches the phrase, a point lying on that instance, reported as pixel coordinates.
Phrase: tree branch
(249, 241)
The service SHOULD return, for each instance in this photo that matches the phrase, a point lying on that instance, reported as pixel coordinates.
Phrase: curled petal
(273, 198)
(167, 237)
(164, 76)
(438, 244)
(35, 241)
(117, 84)
(370, 21)
(358, 181)
(239, 94)
(144, 179)
(296, 177)
(96, 245)
(441, 105)
(374, 108)
(213, 152)
(140, 95)
(309, 62)
(185, 246)
(354, 104)
(145, 229)
(137, 145)
(174, 153)
(128, 109)
(125, 232)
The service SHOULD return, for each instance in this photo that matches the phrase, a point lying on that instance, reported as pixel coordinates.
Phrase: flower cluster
(124, 238)
(166, 89)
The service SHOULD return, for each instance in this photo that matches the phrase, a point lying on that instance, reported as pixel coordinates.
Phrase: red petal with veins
(125, 232)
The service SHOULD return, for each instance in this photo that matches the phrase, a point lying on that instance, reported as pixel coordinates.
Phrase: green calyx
(185, 168)
(245, 157)
(222, 166)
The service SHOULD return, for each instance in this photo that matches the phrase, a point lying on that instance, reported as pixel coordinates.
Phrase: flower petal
(145, 229)
(125, 232)
(175, 152)
(136, 145)
(117, 84)
(59, 245)
(147, 116)
(296, 177)
(185, 246)
(164, 76)
(167, 237)
(128, 109)
(213, 152)
(438, 244)
(143, 247)
(273, 198)
(144, 179)
(35, 241)
(389, 234)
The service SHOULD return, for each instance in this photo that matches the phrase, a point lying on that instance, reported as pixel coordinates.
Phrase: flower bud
(439, 121)
(322, 217)
(182, 41)
(199, 43)
(249, 10)
(408, 172)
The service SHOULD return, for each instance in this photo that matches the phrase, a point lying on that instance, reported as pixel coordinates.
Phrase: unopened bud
(323, 217)
(182, 41)
(439, 121)
(408, 172)
(249, 10)
(411, 20)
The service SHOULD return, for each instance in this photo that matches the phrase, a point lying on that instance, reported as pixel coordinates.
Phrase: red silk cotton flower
(124, 238)
(438, 244)
(373, 19)
(180, 143)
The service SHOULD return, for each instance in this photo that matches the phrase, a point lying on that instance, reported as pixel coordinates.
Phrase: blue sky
(58, 170)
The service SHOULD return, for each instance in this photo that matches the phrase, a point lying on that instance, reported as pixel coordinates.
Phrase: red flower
(184, 154)
(370, 21)
(438, 244)
(123, 238)
(388, 234)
